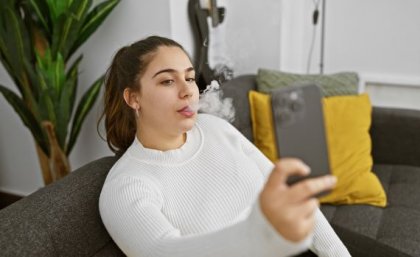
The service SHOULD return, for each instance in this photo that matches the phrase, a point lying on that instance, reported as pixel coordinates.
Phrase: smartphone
(300, 129)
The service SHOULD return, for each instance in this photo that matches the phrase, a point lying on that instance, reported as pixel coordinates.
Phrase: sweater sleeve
(326, 243)
(130, 209)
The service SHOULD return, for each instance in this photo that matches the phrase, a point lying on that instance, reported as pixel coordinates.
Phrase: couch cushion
(343, 83)
(395, 228)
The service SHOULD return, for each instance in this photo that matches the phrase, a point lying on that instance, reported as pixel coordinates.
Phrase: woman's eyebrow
(172, 71)
(189, 69)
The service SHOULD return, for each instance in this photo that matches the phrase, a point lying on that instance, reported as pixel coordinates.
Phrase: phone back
(300, 129)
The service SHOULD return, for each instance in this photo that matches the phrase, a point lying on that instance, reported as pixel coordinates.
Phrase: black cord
(321, 61)
(315, 13)
(315, 17)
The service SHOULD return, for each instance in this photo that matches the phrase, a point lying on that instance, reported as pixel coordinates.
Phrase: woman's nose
(186, 90)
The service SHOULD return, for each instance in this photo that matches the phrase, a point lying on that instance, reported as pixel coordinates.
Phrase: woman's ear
(131, 97)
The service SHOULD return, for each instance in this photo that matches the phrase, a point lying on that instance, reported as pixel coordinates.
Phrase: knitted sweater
(199, 200)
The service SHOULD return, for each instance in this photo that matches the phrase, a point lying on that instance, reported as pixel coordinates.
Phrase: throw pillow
(343, 83)
(347, 122)
(262, 124)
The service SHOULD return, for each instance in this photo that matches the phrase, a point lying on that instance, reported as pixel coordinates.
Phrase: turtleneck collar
(193, 144)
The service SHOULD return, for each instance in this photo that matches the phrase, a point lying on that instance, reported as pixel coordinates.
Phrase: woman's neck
(153, 139)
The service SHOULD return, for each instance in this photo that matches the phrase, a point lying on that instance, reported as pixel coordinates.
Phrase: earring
(137, 112)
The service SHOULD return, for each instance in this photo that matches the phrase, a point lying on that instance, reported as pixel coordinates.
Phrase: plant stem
(58, 161)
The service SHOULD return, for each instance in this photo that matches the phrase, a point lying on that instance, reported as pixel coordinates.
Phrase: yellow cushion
(347, 122)
(262, 124)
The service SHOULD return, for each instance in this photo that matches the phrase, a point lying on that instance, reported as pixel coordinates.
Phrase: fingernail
(332, 180)
(306, 169)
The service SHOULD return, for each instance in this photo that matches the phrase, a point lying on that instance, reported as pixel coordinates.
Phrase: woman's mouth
(187, 111)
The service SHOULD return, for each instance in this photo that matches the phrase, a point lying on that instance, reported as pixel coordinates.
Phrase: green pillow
(343, 83)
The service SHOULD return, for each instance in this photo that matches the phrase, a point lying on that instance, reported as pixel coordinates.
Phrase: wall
(250, 26)
(379, 39)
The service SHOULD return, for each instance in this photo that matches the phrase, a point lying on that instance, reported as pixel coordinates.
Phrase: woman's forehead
(171, 58)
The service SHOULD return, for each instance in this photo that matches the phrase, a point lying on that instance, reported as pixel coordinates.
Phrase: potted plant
(37, 40)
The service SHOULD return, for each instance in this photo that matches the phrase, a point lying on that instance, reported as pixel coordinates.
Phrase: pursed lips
(186, 111)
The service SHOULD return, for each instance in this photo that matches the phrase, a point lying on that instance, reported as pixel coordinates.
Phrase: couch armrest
(61, 219)
(395, 136)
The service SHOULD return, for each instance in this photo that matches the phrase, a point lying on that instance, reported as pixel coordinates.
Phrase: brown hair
(128, 65)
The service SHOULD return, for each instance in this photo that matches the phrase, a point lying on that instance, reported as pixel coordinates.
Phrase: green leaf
(7, 65)
(46, 105)
(34, 81)
(27, 117)
(5, 54)
(57, 8)
(47, 93)
(67, 27)
(73, 75)
(52, 72)
(93, 20)
(15, 48)
(41, 10)
(64, 110)
(74, 67)
(59, 76)
(66, 103)
(85, 104)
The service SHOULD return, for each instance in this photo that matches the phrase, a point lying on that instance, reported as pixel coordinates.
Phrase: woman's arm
(131, 211)
(326, 243)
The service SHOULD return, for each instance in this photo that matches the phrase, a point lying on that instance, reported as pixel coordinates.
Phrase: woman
(190, 184)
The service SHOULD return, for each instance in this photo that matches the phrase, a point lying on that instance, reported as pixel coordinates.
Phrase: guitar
(198, 20)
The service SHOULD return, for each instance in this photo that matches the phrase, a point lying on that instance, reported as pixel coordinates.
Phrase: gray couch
(62, 219)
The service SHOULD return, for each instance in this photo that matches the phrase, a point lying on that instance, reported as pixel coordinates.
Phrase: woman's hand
(291, 209)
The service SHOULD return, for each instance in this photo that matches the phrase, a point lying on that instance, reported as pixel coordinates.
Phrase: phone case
(299, 127)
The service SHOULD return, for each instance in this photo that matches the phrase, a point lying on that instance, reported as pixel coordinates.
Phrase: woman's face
(168, 93)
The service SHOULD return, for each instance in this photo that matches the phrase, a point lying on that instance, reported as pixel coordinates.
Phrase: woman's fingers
(308, 208)
(312, 186)
(307, 226)
(286, 168)
(300, 222)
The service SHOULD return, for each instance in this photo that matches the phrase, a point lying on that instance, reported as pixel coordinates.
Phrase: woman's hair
(125, 71)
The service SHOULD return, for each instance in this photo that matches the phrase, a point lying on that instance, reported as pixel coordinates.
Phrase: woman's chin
(188, 124)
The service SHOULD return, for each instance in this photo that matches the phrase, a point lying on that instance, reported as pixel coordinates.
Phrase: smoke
(212, 102)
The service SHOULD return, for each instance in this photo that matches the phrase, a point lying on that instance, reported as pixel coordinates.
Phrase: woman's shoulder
(128, 167)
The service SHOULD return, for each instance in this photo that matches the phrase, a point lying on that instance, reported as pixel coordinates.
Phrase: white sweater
(199, 200)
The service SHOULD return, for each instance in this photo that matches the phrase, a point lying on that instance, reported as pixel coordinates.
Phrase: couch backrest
(61, 219)
(238, 89)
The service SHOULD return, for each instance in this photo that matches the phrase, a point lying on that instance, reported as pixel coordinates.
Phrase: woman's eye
(167, 82)
(190, 79)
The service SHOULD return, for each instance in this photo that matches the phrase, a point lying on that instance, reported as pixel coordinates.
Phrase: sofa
(62, 219)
